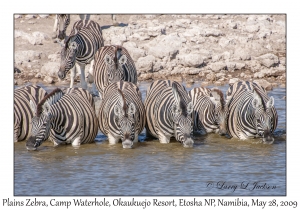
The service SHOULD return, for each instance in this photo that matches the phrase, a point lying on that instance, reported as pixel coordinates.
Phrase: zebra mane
(261, 98)
(181, 102)
(51, 98)
(124, 101)
(117, 48)
(220, 93)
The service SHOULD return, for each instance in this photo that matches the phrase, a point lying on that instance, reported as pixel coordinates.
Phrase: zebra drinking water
(22, 111)
(168, 110)
(66, 118)
(251, 112)
(122, 113)
(210, 110)
(79, 49)
(112, 64)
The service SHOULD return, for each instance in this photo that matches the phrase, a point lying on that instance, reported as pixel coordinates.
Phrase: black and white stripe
(22, 111)
(80, 48)
(210, 110)
(251, 112)
(168, 111)
(66, 118)
(122, 113)
(112, 64)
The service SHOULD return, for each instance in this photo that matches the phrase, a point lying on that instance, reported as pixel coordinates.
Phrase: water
(214, 166)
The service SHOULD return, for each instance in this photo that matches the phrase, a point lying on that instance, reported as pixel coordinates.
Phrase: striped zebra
(113, 63)
(80, 48)
(168, 110)
(61, 23)
(251, 112)
(210, 110)
(66, 118)
(122, 113)
(22, 111)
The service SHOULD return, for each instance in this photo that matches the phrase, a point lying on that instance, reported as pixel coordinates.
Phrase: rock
(18, 16)
(264, 83)
(211, 77)
(218, 66)
(216, 58)
(268, 60)
(239, 66)
(50, 69)
(54, 57)
(190, 60)
(252, 28)
(193, 71)
(145, 64)
(43, 16)
(204, 84)
(19, 82)
(27, 17)
(118, 39)
(242, 54)
(233, 80)
(231, 66)
(130, 45)
(158, 66)
(145, 76)
(48, 80)
(136, 53)
(26, 56)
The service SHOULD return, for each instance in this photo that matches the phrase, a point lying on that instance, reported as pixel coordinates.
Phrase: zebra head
(114, 66)
(68, 57)
(41, 126)
(263, 117)
(63, 22)
(124, 117)
(183, 123)
(220, 111)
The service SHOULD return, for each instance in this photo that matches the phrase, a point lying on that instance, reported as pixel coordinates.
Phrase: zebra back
(126, 96)
(241, 120)
(22, 111)
(112, 64)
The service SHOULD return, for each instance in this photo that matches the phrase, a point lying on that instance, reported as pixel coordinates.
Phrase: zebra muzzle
(61, 74)
(188, 143)
(127, 144)
(31, 143)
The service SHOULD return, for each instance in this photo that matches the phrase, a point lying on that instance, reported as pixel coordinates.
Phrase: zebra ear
(256, 102)
(123, 59)
(117, 110)
(270, 103)
(175, 93)
(131, 109)
(108, 59)
(46, 107)
(73, 45)
(189, 108)
(33, 106)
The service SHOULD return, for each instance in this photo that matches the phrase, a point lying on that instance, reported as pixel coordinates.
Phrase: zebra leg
(83, 83)
(112, 139)
(16, 133)
(163, 138)
(91, 81)
(54, 35)
(73, 75)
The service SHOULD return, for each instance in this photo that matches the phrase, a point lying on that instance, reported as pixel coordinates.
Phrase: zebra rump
(22, 111)
(66, 118)
(251, 112)
(168, 111)
(210, 110)
(112, 64)
(122, 113)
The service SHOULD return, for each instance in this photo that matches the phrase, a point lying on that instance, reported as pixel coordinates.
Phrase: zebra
(251, 112)
(66, 118)
(22, 111)
(122, 113)
(61, 23)
(210, 110)
(168, 111)
(113, 63)
(80, 47)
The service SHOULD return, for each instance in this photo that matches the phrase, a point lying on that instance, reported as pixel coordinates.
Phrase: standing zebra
(122, 113)
(168, 110)
(112, 64)
(67, 118)
(251, 112)
(61, 23)
(22, 112)
(210, 110)
(85, 39)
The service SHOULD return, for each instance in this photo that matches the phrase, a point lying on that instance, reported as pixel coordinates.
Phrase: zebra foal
(210, 110)
(122, 113)
(168, 111)
(112, 64)
(66, 118)
(22, 111)
(251, 112)
(79, 49)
